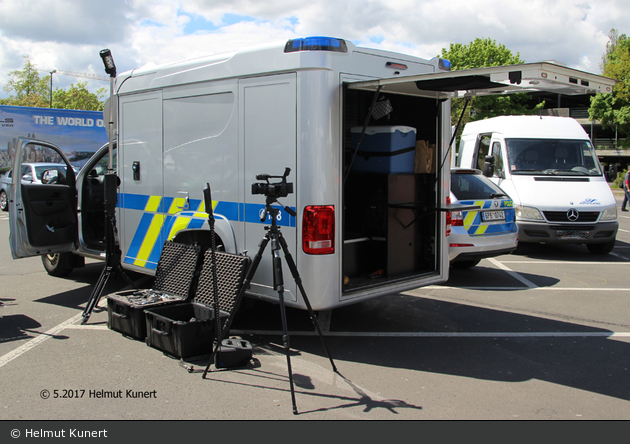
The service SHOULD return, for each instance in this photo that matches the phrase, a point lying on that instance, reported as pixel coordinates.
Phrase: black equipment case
(174, 280)
(187, 329)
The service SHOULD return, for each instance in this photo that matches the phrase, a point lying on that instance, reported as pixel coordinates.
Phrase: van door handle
(136, 170)
(186, 201)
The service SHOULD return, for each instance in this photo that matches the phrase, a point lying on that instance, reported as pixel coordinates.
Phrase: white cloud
(67, 34)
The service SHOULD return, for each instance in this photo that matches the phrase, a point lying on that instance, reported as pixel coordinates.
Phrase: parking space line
(69, 323)
(514, 274)
(446, 287)
(38, 340)
(569, 262)
(606, 334)
(87, 327)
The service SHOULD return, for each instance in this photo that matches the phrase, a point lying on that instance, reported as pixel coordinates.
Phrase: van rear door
(42, 216)
(444, 85)
(527, 77)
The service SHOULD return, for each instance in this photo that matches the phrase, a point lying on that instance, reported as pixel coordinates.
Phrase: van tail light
(448, 218)
(318, 230)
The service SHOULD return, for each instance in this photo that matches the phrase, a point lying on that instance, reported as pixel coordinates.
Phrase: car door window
(472, 187)
(483, 148)
(498, 160)
(27, 175)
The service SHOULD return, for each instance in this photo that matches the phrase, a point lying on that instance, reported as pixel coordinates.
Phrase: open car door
(43, 216)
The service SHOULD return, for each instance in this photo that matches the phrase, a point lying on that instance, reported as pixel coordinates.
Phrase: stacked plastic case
(174, 279)
(384, 149)
(186, 330)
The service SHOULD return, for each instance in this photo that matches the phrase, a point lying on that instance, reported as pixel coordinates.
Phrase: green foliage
(613, 110)
(78, 97)
(619, 179)
(479, 54)
(28, 89)
(482, 53)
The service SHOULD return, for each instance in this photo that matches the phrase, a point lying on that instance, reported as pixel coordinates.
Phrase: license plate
(493, 215)
(572, 234)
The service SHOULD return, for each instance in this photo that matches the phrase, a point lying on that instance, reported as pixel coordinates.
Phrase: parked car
(487, 231)
(31, 173)
(5, 184)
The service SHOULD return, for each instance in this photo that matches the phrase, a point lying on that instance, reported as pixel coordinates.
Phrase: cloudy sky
(67, 35)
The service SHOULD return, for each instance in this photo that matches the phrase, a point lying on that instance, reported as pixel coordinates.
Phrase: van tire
(57, 264)
(604, 248)
(4, 201)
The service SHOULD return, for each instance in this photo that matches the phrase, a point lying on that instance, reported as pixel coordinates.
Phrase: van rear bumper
(596, 233)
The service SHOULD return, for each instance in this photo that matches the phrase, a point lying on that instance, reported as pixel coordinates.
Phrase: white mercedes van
(548, 166)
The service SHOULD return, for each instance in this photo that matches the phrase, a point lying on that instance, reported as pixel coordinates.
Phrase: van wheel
(57, 264)
(604, 248)
(4, 201)
(465, 264)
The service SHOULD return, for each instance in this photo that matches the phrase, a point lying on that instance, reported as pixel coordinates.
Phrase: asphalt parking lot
(539, 335)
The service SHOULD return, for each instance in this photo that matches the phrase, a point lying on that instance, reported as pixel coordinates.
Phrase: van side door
(268, 116)
(42, 216)
(140, 168)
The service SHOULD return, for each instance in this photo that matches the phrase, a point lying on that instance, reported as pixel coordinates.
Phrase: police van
(350, 124)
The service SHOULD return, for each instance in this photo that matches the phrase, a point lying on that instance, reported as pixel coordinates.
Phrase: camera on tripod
(273, 190)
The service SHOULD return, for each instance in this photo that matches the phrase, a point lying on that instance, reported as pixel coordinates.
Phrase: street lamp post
(51, 91)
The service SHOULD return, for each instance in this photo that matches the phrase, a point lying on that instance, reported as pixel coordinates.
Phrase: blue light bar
(444, 64)
(316, 44)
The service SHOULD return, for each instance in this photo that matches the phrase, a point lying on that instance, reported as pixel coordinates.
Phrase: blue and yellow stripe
(162, 218)
(475, 226)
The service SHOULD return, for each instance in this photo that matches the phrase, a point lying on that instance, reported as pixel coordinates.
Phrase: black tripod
(112, 251)
(274, 235)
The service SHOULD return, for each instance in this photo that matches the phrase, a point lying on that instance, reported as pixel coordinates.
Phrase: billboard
(78, 133)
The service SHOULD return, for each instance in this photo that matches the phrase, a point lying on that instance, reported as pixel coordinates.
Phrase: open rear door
(528, 77)
(524, 78)
(43, 213)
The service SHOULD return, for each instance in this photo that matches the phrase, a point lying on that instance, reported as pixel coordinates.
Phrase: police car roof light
(316, 44)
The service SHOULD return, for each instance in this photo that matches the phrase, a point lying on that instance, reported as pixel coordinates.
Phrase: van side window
(498, 159)
(483, 148)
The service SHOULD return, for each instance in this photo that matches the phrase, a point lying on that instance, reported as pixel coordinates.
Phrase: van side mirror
(488, 166)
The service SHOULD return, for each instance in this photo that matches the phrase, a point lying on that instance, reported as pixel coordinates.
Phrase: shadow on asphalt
(592, 362)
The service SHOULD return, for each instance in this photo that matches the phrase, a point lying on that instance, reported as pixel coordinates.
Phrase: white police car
(490, 230)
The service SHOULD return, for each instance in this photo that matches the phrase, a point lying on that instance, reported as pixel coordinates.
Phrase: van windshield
(559, 157)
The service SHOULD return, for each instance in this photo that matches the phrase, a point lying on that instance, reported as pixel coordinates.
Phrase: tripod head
(273, 191)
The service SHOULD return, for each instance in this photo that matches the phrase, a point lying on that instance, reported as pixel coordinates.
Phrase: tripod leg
(279, 287)
(298, 281)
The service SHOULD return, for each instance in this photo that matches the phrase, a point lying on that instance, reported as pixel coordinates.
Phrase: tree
(482, 53)
(78, 97)
(613, 110)
(30, 90)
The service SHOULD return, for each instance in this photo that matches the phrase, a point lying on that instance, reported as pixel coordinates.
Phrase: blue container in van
(384, 149)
